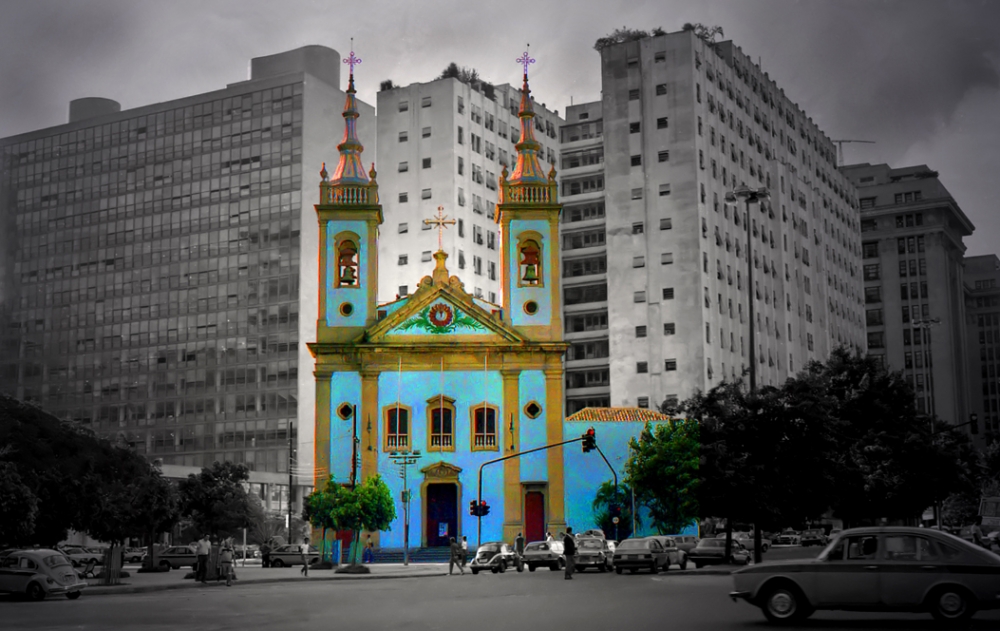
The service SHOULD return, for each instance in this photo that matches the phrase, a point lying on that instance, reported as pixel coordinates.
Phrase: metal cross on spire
(440, 220)
(352, 60)
(525, 59)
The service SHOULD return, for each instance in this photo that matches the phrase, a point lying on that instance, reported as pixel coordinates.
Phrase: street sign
(615, 520)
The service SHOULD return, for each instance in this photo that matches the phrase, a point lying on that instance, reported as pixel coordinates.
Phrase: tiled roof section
(618, 415)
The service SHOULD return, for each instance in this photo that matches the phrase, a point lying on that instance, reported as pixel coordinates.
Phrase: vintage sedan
(812, 537)
(175, 557)
(675, 556)
(39, 572)
(544, 554)
(288, 555)
(713, 552)
(685, 542)
(495, 556)
(641, 553)
(80, 556)
(878, 569)
(593, 552)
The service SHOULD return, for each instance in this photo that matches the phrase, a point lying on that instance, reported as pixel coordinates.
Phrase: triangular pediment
(441, 469)
(437, 311)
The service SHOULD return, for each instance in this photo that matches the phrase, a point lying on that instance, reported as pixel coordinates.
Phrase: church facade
(440, 373)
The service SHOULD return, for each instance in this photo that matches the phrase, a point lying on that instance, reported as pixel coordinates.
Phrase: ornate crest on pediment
(441, 470)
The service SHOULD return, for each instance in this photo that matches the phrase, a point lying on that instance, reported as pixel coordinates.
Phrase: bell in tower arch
(530, 259)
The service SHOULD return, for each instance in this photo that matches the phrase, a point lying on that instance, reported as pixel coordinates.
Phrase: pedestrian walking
(455, 559)
(548, 537)
(465, 551)
(265, 554)
(368, 554)
(226, 561)
(519, 544)
(569, 549)
(203, 549)
(304, 555)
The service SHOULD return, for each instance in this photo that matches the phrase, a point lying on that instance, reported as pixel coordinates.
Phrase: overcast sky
(920, 78)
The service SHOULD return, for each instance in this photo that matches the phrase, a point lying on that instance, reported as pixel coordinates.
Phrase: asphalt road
(541, 599)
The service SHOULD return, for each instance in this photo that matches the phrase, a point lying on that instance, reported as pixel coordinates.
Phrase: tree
(705, 33)
(215, 500)
(386, 85)
(663, 470)
(18, 508)
(368, 506)
(604, 499)
(319, 509)
(623, 34)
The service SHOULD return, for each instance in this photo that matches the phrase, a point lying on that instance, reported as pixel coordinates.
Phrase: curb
(103, 590)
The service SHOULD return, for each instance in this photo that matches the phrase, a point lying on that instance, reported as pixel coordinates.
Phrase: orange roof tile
(618, 415)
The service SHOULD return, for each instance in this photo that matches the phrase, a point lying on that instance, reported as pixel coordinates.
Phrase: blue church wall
(357, 296)
(519, 295)
(531, 387)
(468, 389)
(394, 306)
(344, 387)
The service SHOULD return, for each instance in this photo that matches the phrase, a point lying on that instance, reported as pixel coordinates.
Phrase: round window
(345, 410)
(346, 309)
(532, 410)
(531, 307)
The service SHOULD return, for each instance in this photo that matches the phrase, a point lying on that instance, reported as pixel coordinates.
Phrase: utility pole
(404, 460)
(291, 469)
(354, 445)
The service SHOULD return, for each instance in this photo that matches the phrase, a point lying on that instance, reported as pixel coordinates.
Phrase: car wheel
(503, 567)
(73, 595)
(520, 566)
(165, 565)
(277, 563)
(951, 604)
(618, 570)
(35, 591)
(531, 568)
(783, 604)
(494, 570)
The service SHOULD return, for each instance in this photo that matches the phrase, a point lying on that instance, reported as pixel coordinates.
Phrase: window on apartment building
(638, 261)
(404, 136)
(403, 228)
(661, 88)
(404, 167)
(667, 258)
(425, 102)
(461, 259)
(461, 196)
(403, 259)
(809, 341)
(664, 190)
(910, 196)
(666, 223)
(425, 193)
(461, 228)
(659, 56)
(662, 122)
(633, 95)
(404, 197)
(873, 271)
(404, 290)
(670, 364)
(639, 296)
(641, 367)
(636, 193)
(636, 161)
(461, 135)
(869, 250)
(873, 317)
(642, 402)
(669, 328)
(668, 293)
(461, 105)
(867, 202)
(640, 331)
(634, 128)
(404, 105)
(426, 163)
(425, 132)
(637, 227)
(425, 256)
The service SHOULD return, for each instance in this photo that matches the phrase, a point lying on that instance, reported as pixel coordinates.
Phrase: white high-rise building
(655, 259)
(445, 143)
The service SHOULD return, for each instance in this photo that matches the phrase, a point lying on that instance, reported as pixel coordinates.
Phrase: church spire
(528, 170)
(349, 169)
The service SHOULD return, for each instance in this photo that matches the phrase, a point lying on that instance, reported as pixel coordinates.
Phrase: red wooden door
(534, 516)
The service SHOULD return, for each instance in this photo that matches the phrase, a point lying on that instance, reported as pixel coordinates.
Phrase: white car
(38, 573)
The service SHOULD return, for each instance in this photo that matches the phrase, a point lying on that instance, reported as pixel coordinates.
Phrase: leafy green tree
(705, 33)
(367, 506)
(663, 470)
(604, 499)
(215, 500)
(623, 34)
(319, 509)
(18, 508)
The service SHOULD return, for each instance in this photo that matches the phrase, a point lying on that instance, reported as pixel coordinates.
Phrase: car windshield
(532, 547)
(591, 544)
(630, 544)
(56, 560)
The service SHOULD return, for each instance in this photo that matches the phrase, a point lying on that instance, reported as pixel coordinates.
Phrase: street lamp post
(404, 460)
(750, 196)
(927, 369)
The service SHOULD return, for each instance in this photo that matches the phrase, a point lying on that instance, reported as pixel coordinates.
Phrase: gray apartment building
(159, 283)
(914, 287)
(982, 318)
(655, 259)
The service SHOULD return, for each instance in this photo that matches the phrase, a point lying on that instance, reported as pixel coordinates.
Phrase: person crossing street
(569, 550)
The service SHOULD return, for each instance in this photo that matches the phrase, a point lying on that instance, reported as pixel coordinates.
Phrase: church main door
(442, 513)
(534, 516)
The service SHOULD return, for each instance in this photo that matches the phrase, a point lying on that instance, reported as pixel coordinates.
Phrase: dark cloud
(919, 77)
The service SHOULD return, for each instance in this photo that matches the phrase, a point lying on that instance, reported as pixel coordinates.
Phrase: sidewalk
(159, 581)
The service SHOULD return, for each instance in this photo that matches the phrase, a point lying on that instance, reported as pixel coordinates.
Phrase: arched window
(530, 272)
(441, 423)
(484, 427)
(347, 263)
(397, 427)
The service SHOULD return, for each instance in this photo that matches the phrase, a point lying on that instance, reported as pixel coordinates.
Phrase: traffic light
(484, 508)
(589, 440)
(616, 510)
(474, 508)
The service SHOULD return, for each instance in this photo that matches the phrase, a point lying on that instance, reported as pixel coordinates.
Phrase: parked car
(133, 555)
(39, 572)
(675, 556)
(713, 552)
(640, 553)
(685, 542)
(288, 555)
(594, 552)
(80, 556)
(175, 557)
(495, 556)
(878, 569)
(813, 537)
(544, 554)
(788, 539)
